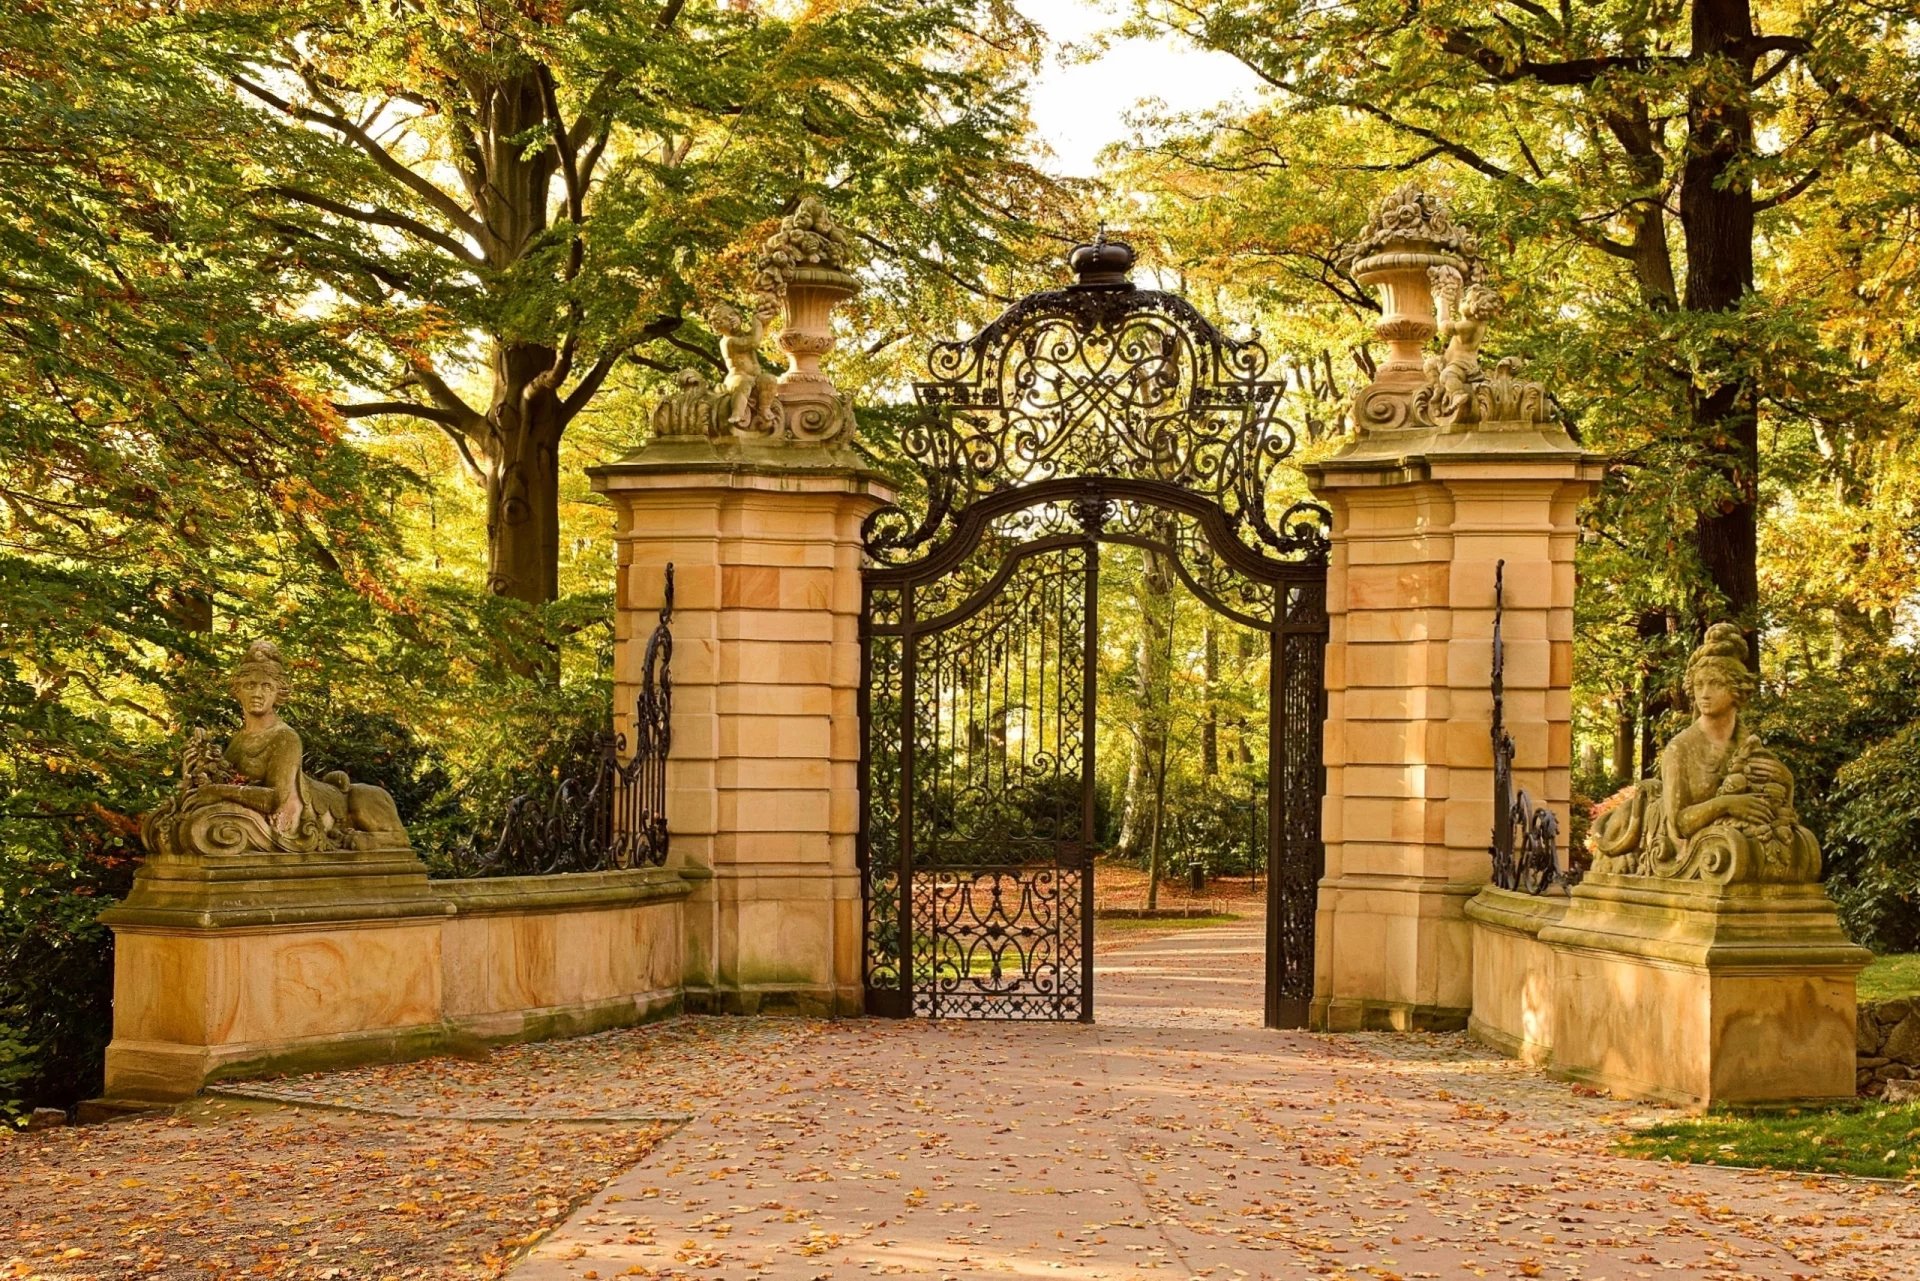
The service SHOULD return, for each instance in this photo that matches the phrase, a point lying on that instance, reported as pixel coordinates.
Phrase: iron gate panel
(997, 739)
(1093, 413)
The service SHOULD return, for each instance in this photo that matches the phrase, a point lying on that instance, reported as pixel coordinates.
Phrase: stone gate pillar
(1452, 470)
(752, 493)
(762, 786)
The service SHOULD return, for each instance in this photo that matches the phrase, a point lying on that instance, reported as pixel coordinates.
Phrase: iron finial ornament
(1102, 264)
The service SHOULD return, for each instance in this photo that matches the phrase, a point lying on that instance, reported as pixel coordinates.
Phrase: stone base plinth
(242, 965)
(230, 965)
(1680, 991)
(1386, 950)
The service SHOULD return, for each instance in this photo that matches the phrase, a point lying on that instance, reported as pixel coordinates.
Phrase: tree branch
(382, 218)
(447, 420)
(406, 408)
(1572, 71)
(973, 287)
(1788, 192)
(383, 159)
(469, 419)
(386, 275)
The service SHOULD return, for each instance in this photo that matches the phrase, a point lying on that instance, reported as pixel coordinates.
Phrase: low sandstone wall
(1683, 992)
(531, 957)
(1889, 1044)
(237, 966)
(1513, 972)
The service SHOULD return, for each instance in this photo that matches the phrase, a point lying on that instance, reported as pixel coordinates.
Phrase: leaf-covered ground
(1177, 1138)
(444, 1168)
(1173, 1138)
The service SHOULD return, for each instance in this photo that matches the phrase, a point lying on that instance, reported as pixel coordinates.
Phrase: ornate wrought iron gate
(1095, 413)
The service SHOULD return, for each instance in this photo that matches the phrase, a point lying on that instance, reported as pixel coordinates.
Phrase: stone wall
(238, 966)
(1683, 992)
(1889, 1044)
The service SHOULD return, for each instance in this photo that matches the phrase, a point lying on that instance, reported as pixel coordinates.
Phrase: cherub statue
(1466, 306)
(1721, 807)
(748, 395)
(294, 810)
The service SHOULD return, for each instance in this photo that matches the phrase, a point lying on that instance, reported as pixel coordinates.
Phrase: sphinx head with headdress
(1721, 660)
(259, 680)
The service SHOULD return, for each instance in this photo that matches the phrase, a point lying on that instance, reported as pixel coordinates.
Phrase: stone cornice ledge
(1693, 923)
(1516, 912)
(1407, 456)
(571, 891)
(738, 465)
(258, 890)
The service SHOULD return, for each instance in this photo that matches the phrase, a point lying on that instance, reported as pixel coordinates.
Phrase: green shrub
(57, 871)
(1873, 843)
(1223, 827)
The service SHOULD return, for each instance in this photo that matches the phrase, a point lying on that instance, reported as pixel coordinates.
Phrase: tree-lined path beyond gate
(1177, 1137)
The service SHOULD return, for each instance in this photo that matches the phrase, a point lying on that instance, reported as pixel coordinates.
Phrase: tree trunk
(1210, 722)
(1159, 825)
(523, 477)
(1151, 660)
(1626, 728)
(1716, 220)
(510, 187)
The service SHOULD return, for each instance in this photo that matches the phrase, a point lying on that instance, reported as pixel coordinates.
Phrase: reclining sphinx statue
(1721, 807)
(255, 797)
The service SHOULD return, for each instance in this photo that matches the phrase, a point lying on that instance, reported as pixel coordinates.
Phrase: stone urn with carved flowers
(804, 264)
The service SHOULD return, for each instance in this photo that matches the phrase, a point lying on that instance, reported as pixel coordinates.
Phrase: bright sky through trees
(1081, 106)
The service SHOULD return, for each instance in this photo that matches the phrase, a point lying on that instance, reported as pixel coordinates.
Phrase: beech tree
(1662, 137)
(506, 201)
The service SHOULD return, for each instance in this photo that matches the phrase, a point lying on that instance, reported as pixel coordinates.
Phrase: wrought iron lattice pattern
(1097, 413)
(1103, 379)
(1000, 799)
(1526, 836)
(598, 812)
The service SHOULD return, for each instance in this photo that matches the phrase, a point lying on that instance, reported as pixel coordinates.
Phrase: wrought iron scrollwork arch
(1101, 379)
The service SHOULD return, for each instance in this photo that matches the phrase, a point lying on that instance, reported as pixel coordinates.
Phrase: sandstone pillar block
(1421, 519)
(762, 781)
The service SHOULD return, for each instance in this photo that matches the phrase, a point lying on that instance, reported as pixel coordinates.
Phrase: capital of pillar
(762, 778)
(1422, 518)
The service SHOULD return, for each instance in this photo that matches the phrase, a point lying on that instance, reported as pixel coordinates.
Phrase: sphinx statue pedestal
(1701, 994)
(232, 964)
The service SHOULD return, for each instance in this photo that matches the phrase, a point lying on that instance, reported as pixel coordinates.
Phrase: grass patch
(1134, 924)
(1877, 1140)
(1888, 977)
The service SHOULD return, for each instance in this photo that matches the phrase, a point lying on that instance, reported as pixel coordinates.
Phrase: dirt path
(1178, 1138)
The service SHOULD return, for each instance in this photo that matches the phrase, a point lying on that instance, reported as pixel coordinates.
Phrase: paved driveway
(1178, 1138)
